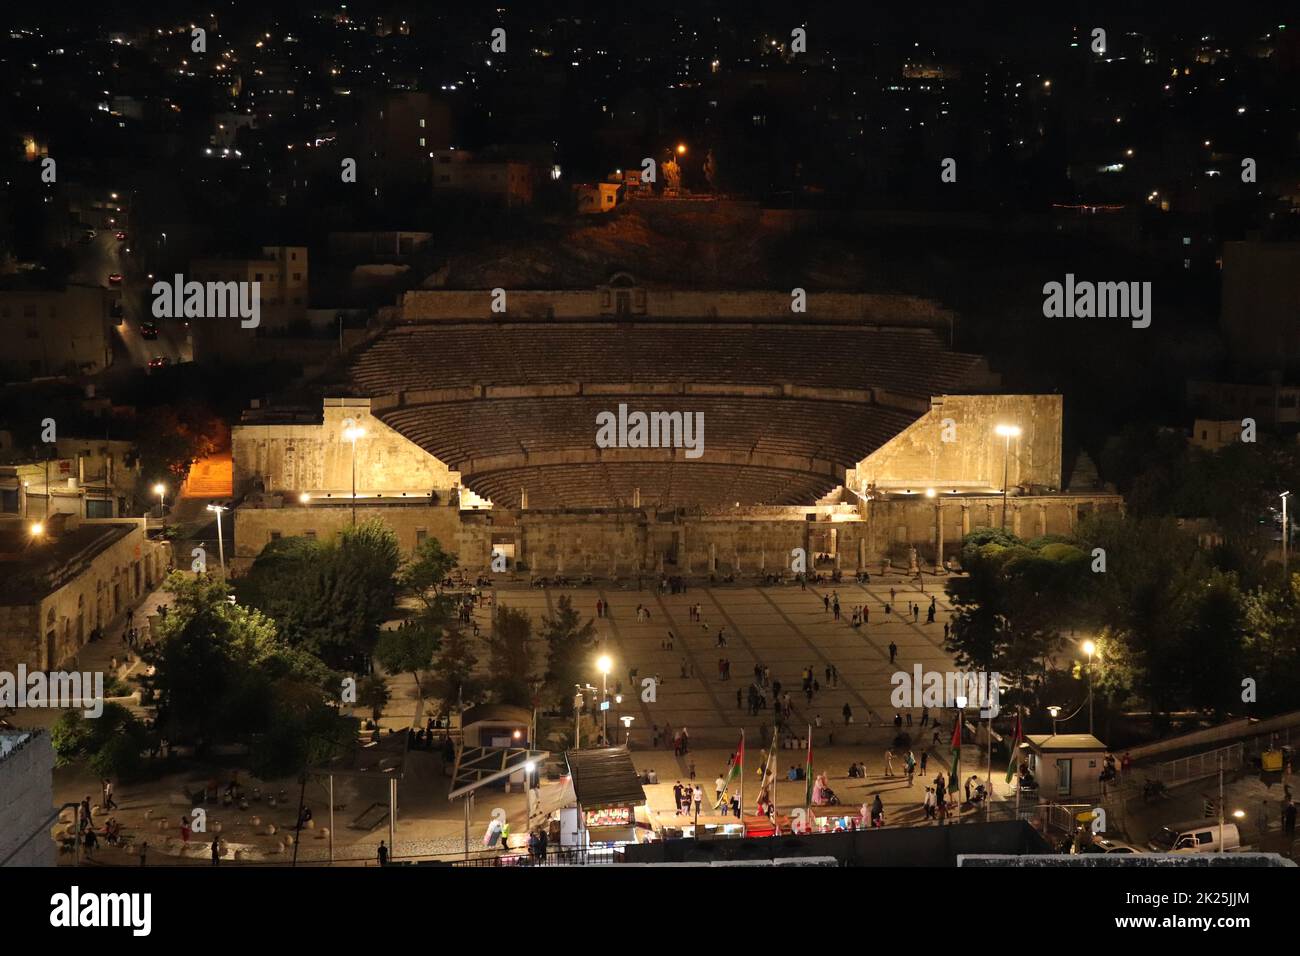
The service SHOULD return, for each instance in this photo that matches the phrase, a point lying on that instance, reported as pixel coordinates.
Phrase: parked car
(148, 330)
(121, 237)
(159, 361)
(115, 279)
(1099, 845)
(1195, 836)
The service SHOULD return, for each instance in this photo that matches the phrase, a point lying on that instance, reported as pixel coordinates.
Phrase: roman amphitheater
(850, 430)
(849, 434)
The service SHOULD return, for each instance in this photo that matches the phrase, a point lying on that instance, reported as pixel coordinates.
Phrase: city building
(595, 198)
(55, 332)
(63, 577)
(507, 181)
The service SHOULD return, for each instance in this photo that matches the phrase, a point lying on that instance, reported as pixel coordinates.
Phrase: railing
(555, 856)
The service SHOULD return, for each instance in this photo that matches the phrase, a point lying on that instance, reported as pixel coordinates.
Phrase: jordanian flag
(736, 769)
(1014, 763)
(808, 774)
(956, 752)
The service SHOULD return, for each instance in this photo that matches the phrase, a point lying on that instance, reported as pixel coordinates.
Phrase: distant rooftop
(31, 568)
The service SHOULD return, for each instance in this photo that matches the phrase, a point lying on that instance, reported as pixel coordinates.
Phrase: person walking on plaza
(925, 757)
(144, 852)
(889, 763)
(893, 651)
(847, 711)
(216, 851)
(1288, 818)
(382, 854)
(877, 812)
(909, 764)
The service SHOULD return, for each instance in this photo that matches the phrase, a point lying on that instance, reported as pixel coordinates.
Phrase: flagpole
(772, 783)
(988, 776)
(742, 781)
(807, 785)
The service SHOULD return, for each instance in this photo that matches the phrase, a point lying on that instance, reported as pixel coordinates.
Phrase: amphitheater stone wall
(638, 302)
(955, 444)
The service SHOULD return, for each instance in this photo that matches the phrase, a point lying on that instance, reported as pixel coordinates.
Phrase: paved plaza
(782, 627)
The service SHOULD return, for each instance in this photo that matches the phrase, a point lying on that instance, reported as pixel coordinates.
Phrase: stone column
(1015, 520)
(762, 560)
(523, 499)
(1042, 518)
(636, 497)
(965, 519)
(1072, 512)
(862, 553)
(713, 557)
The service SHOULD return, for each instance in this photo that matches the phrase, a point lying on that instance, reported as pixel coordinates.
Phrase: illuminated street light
(161, 491)
(603, 664)
(37, 529)
(1055, 711)
(1286, 532)
(351, 432)
(221, 544)
(1090, 649)
(681, 149)
(1008, 432)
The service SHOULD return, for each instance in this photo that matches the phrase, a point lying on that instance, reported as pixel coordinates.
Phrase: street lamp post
(351, 432)
(627, 728)
(1286, 532)
(603, 665)
(1055, 711)
(161, 491)
(1089, 648)
(1008, 432)
(221, 544)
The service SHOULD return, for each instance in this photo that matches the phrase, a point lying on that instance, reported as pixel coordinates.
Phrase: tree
(328, 598)
(373, 693)
(428, 568)
(207, 663)
(410, 647)
(510, 656)
(453, 671)
(569, 644)
(112, 743)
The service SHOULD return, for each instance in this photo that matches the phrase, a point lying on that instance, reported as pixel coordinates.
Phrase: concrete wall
(317, 458)
(27, 782)
(920, 457)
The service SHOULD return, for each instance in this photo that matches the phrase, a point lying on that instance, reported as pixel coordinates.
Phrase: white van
(1197, 836)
